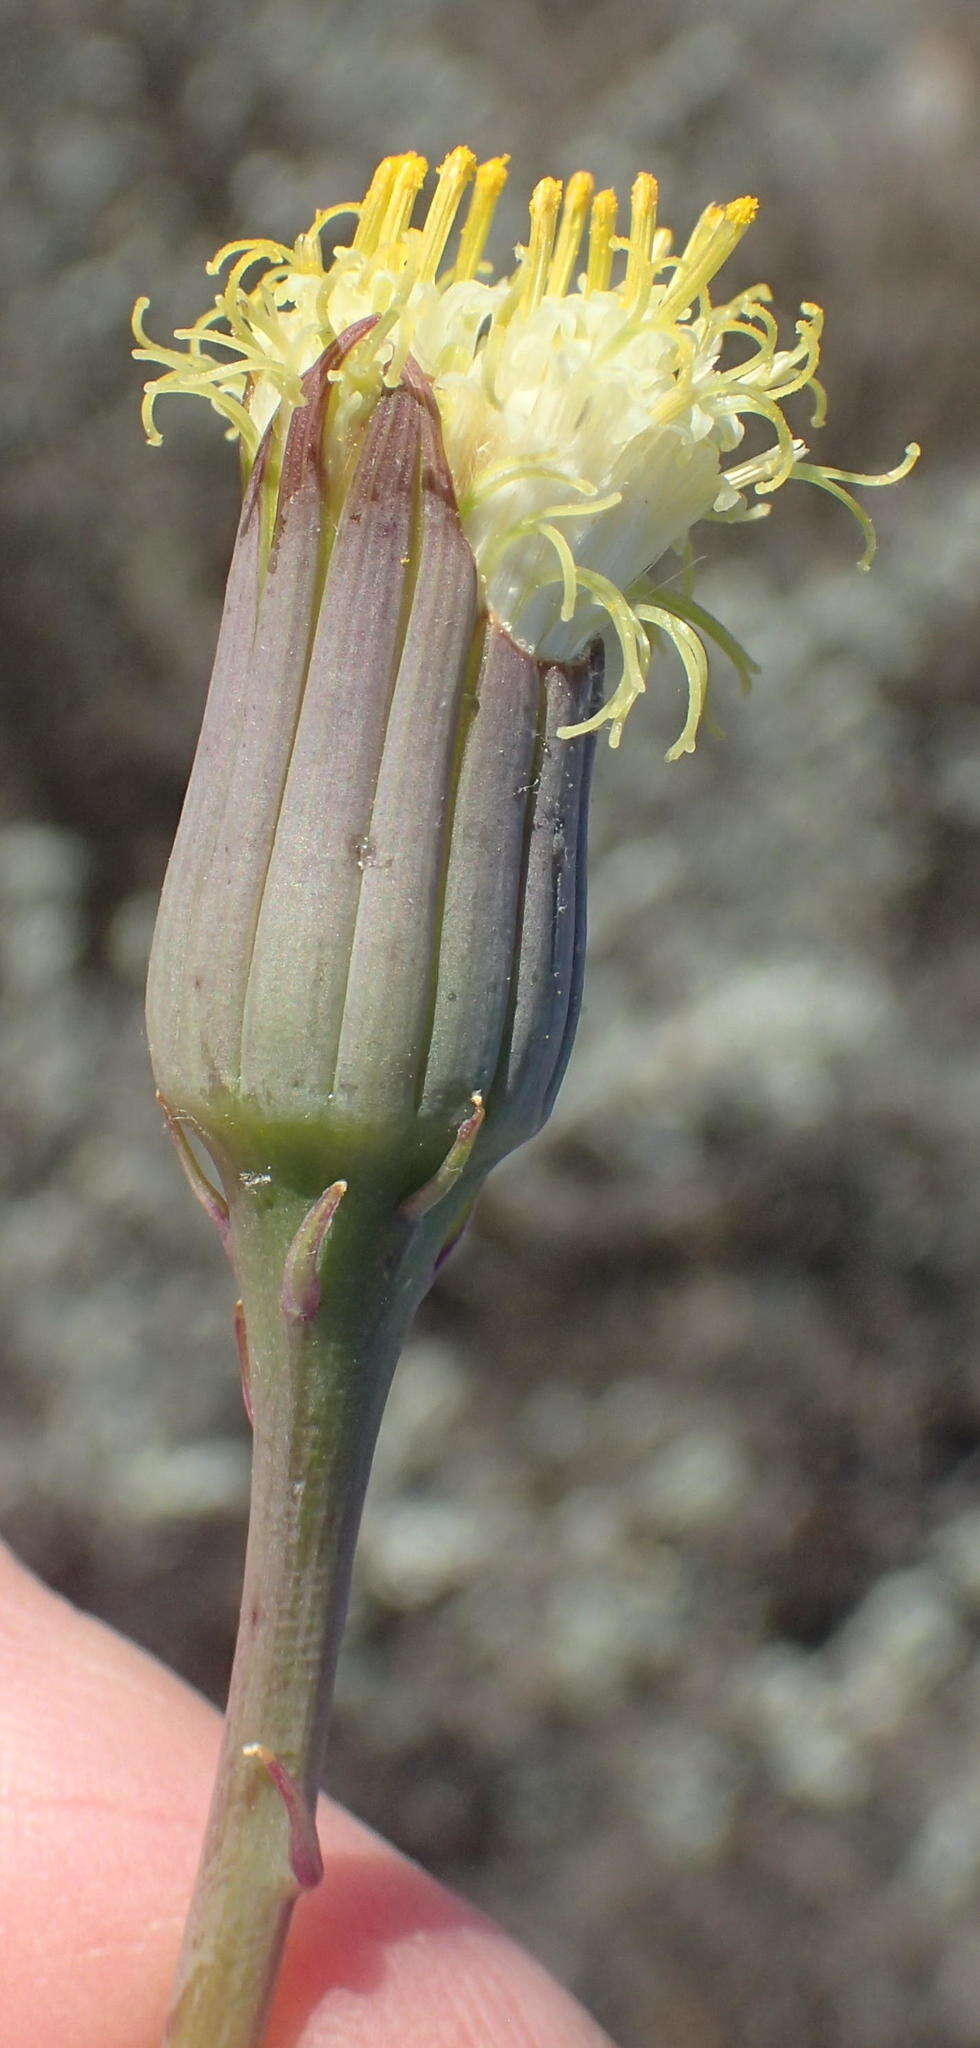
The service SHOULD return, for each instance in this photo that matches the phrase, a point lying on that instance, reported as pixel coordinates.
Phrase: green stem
(317, 1380)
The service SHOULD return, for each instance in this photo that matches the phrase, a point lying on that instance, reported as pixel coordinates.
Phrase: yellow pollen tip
(740, 213)
(459, 162)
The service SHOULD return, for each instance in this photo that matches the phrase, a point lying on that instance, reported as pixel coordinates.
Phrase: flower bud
(374, 909)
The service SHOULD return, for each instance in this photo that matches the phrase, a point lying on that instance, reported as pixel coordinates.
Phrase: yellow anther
(545, 202)
(578, 196)
(602, 228)
(643, 220)
(374, 204)
(490, 181)
(406, 184)
(454, 176)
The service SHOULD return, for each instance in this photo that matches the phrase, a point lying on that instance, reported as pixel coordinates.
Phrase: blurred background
(666, 1638)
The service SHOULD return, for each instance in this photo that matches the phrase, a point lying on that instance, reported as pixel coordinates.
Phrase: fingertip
(107, 1767)
(381, 1954)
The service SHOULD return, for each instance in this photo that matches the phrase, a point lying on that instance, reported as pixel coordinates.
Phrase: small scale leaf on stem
(418, 1205)
(213, 1203)
(241, 1341)
(306, 1861)
(301, 1274)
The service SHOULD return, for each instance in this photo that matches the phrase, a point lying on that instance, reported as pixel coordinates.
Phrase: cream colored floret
(588, 400)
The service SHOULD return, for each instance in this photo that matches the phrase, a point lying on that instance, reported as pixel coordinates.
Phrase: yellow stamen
(490, 181)
(578, 194)
(643, 220)
(602, 228)
(717, 233)
(406, 185)
(545, 201)
(374, 205)
(454, 176)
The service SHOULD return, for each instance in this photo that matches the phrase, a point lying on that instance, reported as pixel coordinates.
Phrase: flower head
(591, 401)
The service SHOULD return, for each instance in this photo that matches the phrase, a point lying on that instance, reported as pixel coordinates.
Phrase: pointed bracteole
(305, 1859)
(418, 1205)
(241, 1341)
(301, 1274)
(213, 1203)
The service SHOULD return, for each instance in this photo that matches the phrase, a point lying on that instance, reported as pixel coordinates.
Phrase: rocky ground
(666, 1639)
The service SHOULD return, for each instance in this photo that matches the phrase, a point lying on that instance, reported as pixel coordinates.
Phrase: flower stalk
(326, 1302)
